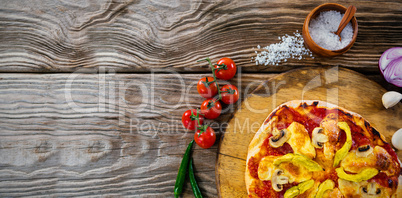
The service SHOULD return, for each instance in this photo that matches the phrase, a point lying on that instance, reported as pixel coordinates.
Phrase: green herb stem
(193, 181)
(181, 175)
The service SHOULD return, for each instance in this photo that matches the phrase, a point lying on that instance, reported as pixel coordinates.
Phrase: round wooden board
(339, 86)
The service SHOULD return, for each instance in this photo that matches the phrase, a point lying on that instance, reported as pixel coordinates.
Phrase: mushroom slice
(364, 151)
(319, 138)
(279, 137)
(278, 179)
(371, 189)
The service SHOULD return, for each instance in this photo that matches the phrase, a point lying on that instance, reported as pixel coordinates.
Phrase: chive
(181, 175)
(193, 182)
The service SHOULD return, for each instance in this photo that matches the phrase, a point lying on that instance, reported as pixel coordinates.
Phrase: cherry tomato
(228, 72)
(211, 112)
(206, 139)
(189, 121)
(204, 91)
(230, 94)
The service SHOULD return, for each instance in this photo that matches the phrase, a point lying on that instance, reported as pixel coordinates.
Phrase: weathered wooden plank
(106, 134)
(111, 134)
(143, 36)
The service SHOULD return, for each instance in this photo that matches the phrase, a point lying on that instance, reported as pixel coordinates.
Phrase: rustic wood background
(92, 91)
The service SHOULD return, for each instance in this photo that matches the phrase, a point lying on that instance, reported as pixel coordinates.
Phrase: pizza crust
(265, 130)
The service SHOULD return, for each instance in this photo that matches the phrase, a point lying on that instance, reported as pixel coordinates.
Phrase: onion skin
(390, 65)
(393, 73)
(388, 56)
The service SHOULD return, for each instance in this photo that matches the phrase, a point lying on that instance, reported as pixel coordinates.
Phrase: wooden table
(92, 92)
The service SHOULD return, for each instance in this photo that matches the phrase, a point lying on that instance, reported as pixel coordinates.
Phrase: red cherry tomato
(206, 139)
(211, 112)
(226, 73)
(230, 94)
(189, 121)
(207, 91)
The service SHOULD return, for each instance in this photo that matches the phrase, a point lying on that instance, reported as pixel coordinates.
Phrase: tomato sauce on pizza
(307, 148)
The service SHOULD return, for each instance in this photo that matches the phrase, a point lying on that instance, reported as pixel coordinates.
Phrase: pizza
(316, 149)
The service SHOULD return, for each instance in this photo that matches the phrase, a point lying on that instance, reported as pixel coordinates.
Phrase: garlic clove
(397, 139)
(391, 98)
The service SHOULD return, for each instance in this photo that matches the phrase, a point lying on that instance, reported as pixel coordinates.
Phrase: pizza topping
(300, 140)
(384, 161)
(285, 158)
(295, 172)
(334, 193)
(371, 189)
(354, 164)
(365, 174)
(391, 152)
(364, 189)
(318, 137)
(364, 151)
(350, 189)
(262, 189)
(303, 187)
(279, 137)
(278, 179)
(266, 168)
(383, 179)
(292, 192)
(341, 153)
(299, 189)
(306, 139)
(380, 159)
(326, 185)
(331, 129)
(299, 160)
(253, 167)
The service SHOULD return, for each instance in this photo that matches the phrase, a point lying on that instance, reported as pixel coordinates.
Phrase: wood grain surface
(143, 36)
(338, 86)
(68, 135)
(92, 91)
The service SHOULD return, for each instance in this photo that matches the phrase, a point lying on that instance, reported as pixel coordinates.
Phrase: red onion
(390, 65)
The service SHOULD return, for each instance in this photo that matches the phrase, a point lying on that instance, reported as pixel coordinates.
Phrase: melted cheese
(331, 129)
(266, 168)
(384, 161)
(355, 189)
(300, 140)
(379, 159)
(332, 193)
(349, 189)
(312, 191)
(294, 172)
(354, 164)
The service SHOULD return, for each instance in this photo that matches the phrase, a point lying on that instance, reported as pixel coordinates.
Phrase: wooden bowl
(308, 41)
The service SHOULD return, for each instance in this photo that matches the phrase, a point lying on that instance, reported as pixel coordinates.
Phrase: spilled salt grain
(322, 30)
(289, 47)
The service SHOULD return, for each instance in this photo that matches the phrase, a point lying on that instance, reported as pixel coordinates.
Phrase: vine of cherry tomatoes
(211, 108)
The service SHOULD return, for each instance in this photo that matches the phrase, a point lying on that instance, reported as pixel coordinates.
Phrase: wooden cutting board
(335, 85)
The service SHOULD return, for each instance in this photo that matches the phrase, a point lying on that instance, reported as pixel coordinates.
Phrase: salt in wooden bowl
(314, 47)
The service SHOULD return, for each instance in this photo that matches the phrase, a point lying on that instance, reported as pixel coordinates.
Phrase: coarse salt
(322, 30)
(289, 47)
